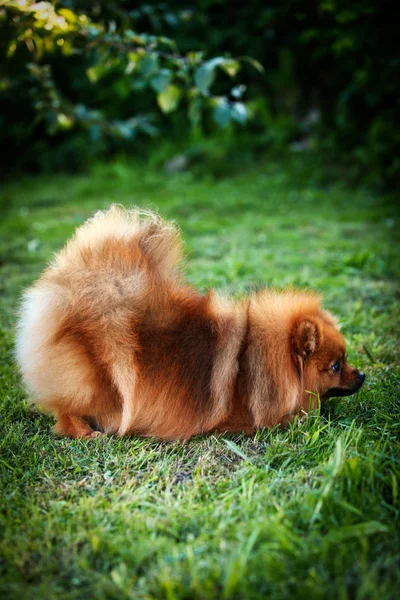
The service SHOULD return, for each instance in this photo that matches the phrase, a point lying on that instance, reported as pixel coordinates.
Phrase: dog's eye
(336, 367)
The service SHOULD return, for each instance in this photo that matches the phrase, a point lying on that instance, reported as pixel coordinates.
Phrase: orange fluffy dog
(109, 336)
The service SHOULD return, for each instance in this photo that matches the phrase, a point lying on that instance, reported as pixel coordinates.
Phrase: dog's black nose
(361, 376)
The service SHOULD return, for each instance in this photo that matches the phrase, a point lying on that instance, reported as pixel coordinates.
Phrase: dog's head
(319, 351)
(294, 347)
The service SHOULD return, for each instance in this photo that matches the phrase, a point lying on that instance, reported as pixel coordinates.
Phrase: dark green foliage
(70, 69)
(331, 74)
(122, 70)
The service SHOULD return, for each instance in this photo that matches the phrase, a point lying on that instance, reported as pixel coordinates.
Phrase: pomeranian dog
(110, 340)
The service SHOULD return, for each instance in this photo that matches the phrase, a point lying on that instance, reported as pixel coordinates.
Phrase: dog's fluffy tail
(138, 231)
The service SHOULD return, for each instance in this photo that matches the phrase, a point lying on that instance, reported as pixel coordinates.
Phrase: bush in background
(82, 79)
(77, 83)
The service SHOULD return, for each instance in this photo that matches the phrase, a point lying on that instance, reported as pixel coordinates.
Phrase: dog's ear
(305, 338)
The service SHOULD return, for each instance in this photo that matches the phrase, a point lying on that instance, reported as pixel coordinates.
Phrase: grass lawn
(309, 512)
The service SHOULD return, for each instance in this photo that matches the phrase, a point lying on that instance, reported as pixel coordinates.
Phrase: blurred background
(201, 83)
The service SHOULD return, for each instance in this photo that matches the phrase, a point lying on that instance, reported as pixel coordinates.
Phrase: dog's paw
(95, 434)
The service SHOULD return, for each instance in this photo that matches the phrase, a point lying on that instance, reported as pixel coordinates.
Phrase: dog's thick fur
(110, 336)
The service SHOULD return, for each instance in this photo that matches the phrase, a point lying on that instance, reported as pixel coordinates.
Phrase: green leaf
(205, 75)
(167, 41)
(239, 113)
(95, 133)
(149, 65)
(64, 121)
(144, 124)
(222, 113)
(161, 81)
(123, 130)
(253, 62)
(95, 73)
(168, 100)
(230, 66)
(195, 107)
(238, 91)
(70, 16)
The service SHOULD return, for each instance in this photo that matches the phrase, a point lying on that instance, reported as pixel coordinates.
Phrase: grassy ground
(311, 512)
